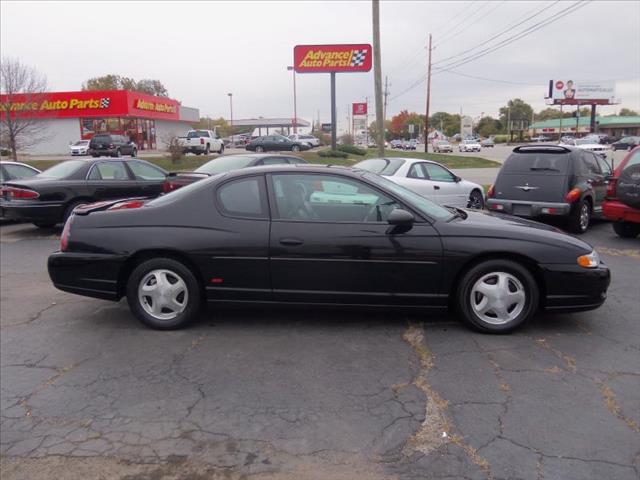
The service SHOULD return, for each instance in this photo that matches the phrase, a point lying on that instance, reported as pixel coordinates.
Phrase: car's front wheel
(476, 200)
(163, 294)
(497, 296)
(295, 148)
(221, 151)
(580, 217)
(134, 152)
(626, 229)
(259, 149)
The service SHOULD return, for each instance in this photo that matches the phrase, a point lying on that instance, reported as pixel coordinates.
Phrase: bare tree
(22, 87)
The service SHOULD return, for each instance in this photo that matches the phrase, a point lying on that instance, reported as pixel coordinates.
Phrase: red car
(622, 204)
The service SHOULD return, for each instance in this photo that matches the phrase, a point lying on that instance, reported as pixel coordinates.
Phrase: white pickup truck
(202, 141)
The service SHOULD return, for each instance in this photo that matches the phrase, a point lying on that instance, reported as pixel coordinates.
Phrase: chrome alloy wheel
(498, 298)
(584, 217)
(163, 294)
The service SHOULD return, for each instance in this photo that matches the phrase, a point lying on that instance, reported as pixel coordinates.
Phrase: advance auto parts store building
(70, 116)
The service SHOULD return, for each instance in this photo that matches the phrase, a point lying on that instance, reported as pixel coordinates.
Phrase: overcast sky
(201, 51)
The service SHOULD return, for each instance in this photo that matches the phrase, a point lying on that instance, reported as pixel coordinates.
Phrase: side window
(329, 198)
(590, 163)
(20, 171)
(634, 160)
(108, 171)
(438, 174)
(604, 165)
(144, 171)
(244, 197)
(417, 171)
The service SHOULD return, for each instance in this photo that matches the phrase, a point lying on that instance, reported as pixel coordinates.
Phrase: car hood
(498, 225)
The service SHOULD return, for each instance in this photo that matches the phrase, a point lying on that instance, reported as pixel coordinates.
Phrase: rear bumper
(528, 209)
(110, 152)
(618, 211)
(572, 288)
(88, 274)
(32, 211)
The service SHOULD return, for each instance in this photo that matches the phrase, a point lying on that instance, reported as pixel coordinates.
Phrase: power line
(461, 22)
(499, 34)
(496, 6)
(489, 79)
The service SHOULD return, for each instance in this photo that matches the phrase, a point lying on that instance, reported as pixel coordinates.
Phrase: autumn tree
(20, 129)
(117, 82)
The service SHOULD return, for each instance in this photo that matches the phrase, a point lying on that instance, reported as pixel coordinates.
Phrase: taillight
(202, 141)
(573, 195)
(168, 186)
(19, 193)
(66, 233)
(611, 187)
(491, 192)
(127, 205)
(111, 145)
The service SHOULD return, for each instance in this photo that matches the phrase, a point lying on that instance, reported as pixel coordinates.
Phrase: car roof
(409, 160)
(11, 162)
(298, 168)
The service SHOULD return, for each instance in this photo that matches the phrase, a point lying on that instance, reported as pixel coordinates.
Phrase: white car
(81, 147)
(202, 142)
(469, 146)
(440, 146)
(308, 139)
(588, 143)
(429, 179)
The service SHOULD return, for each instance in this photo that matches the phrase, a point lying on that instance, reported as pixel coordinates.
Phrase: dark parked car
(49, 198)
(321, 235)
(111, 145)
(626, 143)
(13, 171)
(276, 143)
(551, 181)
(623, 196)
(225, 164)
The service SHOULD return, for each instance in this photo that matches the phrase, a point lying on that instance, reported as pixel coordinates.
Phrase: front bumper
(79, 152)
(32, 211)
(88, 274)
(618, 211)
(528, 209)
(572, 288)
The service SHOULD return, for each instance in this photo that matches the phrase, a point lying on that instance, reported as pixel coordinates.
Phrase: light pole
(233, 144)
(295, 107)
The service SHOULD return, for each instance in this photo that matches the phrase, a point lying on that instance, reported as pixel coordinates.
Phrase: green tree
(446, 122)
(117, 82)
(517, 111)
(626, 112)
(548, 114)
(488, 126)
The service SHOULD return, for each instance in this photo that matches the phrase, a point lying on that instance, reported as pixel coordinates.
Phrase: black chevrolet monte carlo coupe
(318, 235)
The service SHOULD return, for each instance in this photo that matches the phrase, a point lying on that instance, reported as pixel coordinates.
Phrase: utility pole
(231, 108)
(426, 120)
(386, 94)
(295, 106)
(366, 100)
(560, 132)
(509, 121)
(377, 76)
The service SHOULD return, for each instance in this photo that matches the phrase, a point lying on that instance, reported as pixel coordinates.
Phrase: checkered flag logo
(358, 57)
(104, 102)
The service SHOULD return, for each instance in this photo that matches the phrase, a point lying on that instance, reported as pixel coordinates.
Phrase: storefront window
(140, 131)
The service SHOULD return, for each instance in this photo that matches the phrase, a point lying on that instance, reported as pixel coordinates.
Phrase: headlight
(592, 260)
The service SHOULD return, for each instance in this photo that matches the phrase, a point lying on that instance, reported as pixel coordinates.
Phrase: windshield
(197, 133)
(61, 170)
(442, 142)
(586, 141)
(81, 143)
(225, 164)
(381, 166)
(527, 163)
(418, 202)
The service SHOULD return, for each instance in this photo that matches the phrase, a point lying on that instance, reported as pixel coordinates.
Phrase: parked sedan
(276, 143)
(622, 204)
(469, 146)
(15, 171)
(626, 143)
(49, 197)
(321, 235)
(225, 164)
(81, 147)
(442, 146)
(487, 143)
(429, 179)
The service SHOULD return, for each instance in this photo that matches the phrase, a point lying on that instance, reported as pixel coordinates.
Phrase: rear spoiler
(542, 149)
(104, 205)
(175, 174)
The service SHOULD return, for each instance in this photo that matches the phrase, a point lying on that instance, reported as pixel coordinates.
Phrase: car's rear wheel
(295, 148)
(580, 217)
(259, 149)
(221, 151)
(476, 200)
(134, 152)
(163, 294)
(206, 150)
(497, 296)
(118, 153)
(626, 229)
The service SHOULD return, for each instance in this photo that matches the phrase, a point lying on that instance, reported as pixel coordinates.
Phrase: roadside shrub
(332, 154)
(501, 139)
(4, 152)
(352, 149)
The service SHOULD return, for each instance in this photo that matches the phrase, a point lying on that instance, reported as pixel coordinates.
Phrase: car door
(149, 178)
(110, 180)
(595, 178)
(452, 192)
(330, 243)
(282, 144)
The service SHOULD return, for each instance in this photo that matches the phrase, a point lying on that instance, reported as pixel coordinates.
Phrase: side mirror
(399, 221)
(457, 179)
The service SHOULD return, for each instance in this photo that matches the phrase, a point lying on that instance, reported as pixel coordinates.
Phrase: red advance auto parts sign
(332, 58)
(108, 103)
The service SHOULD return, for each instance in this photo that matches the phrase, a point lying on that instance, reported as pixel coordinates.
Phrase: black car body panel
(275, 143)
(267, 259)
(83, 184)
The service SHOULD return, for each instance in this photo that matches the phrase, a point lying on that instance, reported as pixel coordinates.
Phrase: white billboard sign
(569, 92)
(466, 127)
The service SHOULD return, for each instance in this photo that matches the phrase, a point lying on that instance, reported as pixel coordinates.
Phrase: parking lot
(87, 392)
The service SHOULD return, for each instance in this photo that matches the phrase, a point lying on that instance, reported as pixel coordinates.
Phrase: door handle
(436, 187)
(290, 241)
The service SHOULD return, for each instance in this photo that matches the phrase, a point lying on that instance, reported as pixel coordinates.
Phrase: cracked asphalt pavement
(88, 393)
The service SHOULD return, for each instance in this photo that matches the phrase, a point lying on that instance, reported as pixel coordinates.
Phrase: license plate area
(524, 210)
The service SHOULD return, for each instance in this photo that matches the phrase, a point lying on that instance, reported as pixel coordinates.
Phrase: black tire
(626, 229)
(44, 225)
(295, 148)
(118, 153)
(70, 207)
(509, 269)
(476, 200)
(221, 151)
(207, 150)
(259, 149)
(177, 270)
(134, 152)
(580, 217)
